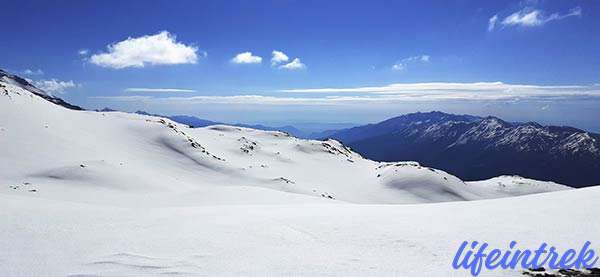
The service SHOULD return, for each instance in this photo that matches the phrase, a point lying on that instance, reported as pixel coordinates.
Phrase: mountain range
(475, 148)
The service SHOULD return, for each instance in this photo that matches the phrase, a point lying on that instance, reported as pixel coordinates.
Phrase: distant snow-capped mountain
(475, 148)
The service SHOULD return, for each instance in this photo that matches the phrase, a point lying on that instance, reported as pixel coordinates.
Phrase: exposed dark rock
(542, 272)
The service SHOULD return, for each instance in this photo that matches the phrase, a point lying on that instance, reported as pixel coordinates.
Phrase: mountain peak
(23, 83)
(432, 116)
(18, 81)
(494, 121)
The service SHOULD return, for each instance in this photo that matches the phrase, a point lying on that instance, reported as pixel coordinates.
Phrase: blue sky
(521, 60)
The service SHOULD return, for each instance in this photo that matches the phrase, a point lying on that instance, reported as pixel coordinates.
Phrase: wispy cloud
(492, 22)
(232, 99)
(54, 85)
(32, 72)
(252, 99)
(530, 17)
(158, 49)
(573, 12)
(395, 93)
(463, 91)
(158, 90)
(403, 64)
(246, 58)
(441, 86)
(83, 52)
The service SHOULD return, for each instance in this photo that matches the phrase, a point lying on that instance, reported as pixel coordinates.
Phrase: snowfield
(60, 238)
(116, 194)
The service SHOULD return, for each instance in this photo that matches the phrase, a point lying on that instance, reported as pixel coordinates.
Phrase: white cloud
(492, 22)
(281, 59)
(523, 18)
(528, 17)
(440, 86)
(246, 58)
(33, 72)
(403, 64)
(232, 99)
(54, 85)
(158, 90)
(464, 91)
(278, 57)
(295, 64)
(129, 98)
(83, 52)
(158, 49)
(395, 93)
(399, 66)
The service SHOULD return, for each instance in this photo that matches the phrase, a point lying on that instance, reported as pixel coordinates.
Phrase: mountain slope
(87, 193)
(118, 157)
(475, 148)
(15, 80)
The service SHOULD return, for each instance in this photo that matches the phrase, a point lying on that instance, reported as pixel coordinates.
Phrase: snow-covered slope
(41, 237)
(128, 159)
(6, 77)
(114, 194)
(506, 186)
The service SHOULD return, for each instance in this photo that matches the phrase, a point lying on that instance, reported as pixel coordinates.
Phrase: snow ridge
(17, 81)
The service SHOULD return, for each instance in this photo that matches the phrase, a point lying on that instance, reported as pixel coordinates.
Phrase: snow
(61, 238)
(506, 186)
(580, 143)
(16, 81)
(115, 194)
